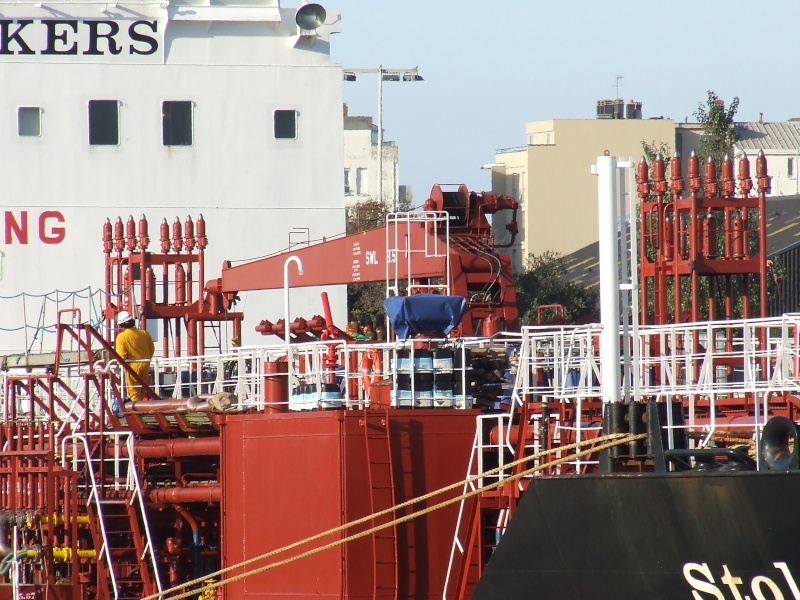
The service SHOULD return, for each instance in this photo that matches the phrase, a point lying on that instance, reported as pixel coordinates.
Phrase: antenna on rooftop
(618, 77)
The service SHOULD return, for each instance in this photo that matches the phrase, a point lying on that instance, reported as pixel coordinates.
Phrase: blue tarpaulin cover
(424, 313)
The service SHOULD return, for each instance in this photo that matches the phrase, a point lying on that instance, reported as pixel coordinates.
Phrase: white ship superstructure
(168, 109)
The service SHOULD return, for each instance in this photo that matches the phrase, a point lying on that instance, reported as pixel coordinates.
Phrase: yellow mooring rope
(728, 440)
(607, 441)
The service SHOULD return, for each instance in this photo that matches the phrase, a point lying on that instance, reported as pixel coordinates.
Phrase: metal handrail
(132, 486)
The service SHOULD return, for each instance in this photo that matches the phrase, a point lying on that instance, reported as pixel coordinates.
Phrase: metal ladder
(382, 496)
(118, 499)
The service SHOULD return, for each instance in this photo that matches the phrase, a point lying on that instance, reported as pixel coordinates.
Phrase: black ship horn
(779, 450)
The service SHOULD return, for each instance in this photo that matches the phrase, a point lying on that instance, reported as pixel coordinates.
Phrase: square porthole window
(176, 123)
(104, 122)
(29, 121)
(285, 124)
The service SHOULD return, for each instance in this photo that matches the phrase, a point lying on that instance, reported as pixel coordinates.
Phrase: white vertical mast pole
(605, 169)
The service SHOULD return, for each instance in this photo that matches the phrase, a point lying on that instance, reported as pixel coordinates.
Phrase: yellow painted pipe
(65, 554)
(58, 520)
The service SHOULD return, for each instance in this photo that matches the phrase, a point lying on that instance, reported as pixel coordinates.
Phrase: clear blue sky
(490, 67)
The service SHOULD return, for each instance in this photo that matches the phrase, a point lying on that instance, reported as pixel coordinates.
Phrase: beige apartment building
(551, 177)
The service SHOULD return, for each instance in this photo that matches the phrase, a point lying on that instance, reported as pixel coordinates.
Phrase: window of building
(285, 124)
(103, 122)
(361, 181)
(541, 138)
(176, 123)
(29, 121)
(347, 181)
(790, 167)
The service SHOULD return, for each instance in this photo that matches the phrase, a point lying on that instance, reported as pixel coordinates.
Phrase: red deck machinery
(164, 286)
(702, 256)
(456, 251)
(704, 249)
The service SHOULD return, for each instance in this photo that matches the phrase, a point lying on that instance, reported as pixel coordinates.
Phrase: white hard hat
(123, 317)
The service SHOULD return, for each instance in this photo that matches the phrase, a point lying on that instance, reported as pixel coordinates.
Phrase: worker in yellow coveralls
(136, 347)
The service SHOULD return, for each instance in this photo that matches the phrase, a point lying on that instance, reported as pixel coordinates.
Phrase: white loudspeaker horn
(310, 16)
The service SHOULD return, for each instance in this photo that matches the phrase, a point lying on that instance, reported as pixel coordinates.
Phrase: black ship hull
(725, 535)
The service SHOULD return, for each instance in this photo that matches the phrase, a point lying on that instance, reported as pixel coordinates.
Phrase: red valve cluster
(165, 285)
(676, 181)
(189, 237)
(716, 233)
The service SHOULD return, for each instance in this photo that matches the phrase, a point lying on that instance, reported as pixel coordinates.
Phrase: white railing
(404, 249)
(432, 373)
(331, 374)
(756, 359)
(68, 410)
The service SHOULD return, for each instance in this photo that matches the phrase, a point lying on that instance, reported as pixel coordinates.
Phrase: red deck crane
(454, 249)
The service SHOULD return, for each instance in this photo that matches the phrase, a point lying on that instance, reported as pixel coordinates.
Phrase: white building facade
(361, 163)
(166, 109)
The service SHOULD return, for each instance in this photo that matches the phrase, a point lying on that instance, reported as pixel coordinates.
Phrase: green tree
(653, 149)
(365, 300)
(719, 135)
(719, 130)
(365, 215)
(543, 282)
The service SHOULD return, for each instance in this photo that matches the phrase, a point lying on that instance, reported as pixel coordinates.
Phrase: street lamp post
(383, 75)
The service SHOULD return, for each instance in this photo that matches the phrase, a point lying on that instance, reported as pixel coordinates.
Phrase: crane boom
(357, 258)
(448, 246)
